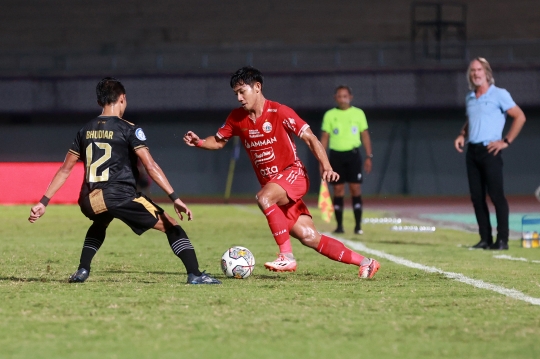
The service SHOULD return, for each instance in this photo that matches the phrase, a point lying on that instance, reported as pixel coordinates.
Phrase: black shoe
(339, 230)
(499, 246)
(482, 245)
(204, 278)
(79, 276)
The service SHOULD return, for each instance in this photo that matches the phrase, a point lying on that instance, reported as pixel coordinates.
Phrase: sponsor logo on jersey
(272, 110)
(140, 134)
(268, 171)
(290, 123)
(336, 131)
(267, 127)
(262, 156)
(255, 134)
(268, 141)
(354, 130)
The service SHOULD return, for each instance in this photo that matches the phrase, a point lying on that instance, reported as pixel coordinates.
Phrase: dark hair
(246, 75)
(343, 87)
(108, 90)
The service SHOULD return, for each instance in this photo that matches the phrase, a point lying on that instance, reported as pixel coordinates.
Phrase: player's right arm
(209, 143)
(459, 142)
(57, 182)
(156, 173)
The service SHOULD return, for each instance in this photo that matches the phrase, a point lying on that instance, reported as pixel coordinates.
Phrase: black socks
(357, 208)
(93, 241)
(182, 247)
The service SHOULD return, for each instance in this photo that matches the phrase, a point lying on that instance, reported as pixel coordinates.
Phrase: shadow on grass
(19, 279)
(141, 272)
(401, 242)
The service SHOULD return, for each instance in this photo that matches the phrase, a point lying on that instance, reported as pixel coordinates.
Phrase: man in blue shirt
(487, 107)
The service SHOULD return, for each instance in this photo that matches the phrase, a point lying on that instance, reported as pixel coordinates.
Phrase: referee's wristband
(370, 156)
(173, 196)
(44, 200)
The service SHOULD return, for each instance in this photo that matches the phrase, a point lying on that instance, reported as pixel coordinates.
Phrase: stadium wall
(413, 150)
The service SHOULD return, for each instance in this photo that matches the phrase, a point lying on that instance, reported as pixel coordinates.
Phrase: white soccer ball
(237, 262)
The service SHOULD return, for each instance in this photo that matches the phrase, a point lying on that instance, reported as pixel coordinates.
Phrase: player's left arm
(57, 182)
(517, 124)
(319, 152)
(158, 176)
(366, 141)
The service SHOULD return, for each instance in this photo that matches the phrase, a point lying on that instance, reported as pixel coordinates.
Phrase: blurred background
(405, 60)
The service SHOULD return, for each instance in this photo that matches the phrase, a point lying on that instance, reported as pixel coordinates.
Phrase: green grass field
(136, 305)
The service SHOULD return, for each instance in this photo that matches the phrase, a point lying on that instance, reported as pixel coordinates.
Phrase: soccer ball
(237, 262)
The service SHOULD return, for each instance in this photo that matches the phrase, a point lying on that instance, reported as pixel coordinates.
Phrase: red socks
(337, 251)
(279, 227)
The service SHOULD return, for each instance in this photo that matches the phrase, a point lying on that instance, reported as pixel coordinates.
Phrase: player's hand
(36, 212)
(496, 146)
(180, 207)
(459, 142)
(367, 165)
(191, 138)
(330, 176)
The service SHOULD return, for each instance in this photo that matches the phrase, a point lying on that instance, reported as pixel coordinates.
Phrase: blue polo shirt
(487, 114)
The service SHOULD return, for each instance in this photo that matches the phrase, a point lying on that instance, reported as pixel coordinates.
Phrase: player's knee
(263, 199)
(309, 238)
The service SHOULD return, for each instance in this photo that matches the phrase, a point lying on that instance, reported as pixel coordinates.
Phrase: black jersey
(107, 146)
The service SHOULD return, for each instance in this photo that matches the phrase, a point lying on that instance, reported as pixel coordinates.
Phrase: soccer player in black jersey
(109, 146)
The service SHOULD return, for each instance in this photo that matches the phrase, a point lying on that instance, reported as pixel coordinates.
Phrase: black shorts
(348, 165)
(139, 213)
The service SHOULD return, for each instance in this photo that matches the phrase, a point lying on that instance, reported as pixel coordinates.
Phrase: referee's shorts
(348, 165)
(139, 213)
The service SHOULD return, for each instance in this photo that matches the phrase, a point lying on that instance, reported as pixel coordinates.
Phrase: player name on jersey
(99, 134)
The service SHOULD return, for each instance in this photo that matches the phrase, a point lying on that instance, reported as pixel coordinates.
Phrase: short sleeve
(75, 148)
(292, 122)
(136, 139)
(226, 131)
(505, 100)
(326, 125)
(363, 121)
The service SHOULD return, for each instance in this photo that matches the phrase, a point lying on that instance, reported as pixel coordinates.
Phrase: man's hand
(367, 165)
(191, 138)
(36, 212)
(329, 176)
(459, 142)
(180, 207)
(496, 146)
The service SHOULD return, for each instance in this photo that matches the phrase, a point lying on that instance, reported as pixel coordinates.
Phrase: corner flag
(325, 202)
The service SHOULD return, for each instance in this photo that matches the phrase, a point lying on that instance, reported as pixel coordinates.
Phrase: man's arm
(517, 124)
(459, 142)
(156, 173)
(319, 152)
(57, 182)
(209, 143)
(366, 141)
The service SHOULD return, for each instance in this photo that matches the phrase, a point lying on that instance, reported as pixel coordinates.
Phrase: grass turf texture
(136, 305)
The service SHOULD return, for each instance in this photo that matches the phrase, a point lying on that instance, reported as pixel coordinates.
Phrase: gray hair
(487, 69)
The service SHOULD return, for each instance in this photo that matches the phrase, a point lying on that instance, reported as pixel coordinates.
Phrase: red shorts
(295, 182)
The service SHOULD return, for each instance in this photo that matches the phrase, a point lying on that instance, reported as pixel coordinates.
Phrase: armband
(173, 196)
(44, 200)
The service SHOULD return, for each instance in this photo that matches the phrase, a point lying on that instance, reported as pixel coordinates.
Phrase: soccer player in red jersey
(266, 129)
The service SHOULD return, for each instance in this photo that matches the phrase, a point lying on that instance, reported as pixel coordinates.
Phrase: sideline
(510, 258)
(512, 293)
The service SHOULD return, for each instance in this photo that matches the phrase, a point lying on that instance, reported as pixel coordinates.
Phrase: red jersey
(268, 140)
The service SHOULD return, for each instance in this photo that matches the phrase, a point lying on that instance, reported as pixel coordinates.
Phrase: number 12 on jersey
(91, 167)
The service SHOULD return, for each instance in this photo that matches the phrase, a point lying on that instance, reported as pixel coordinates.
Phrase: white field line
(512, 293)
(510, 258)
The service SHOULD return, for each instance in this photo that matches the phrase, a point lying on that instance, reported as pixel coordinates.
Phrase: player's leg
(305, 231)
(269, 198)
(142, 214)
(477, 190)
(95, 236)
(495, 188)
(338, 165)
(356, 194)
(339, 194)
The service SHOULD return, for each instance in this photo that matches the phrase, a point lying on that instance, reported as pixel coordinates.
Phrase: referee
(487, 107)
(344, 130)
